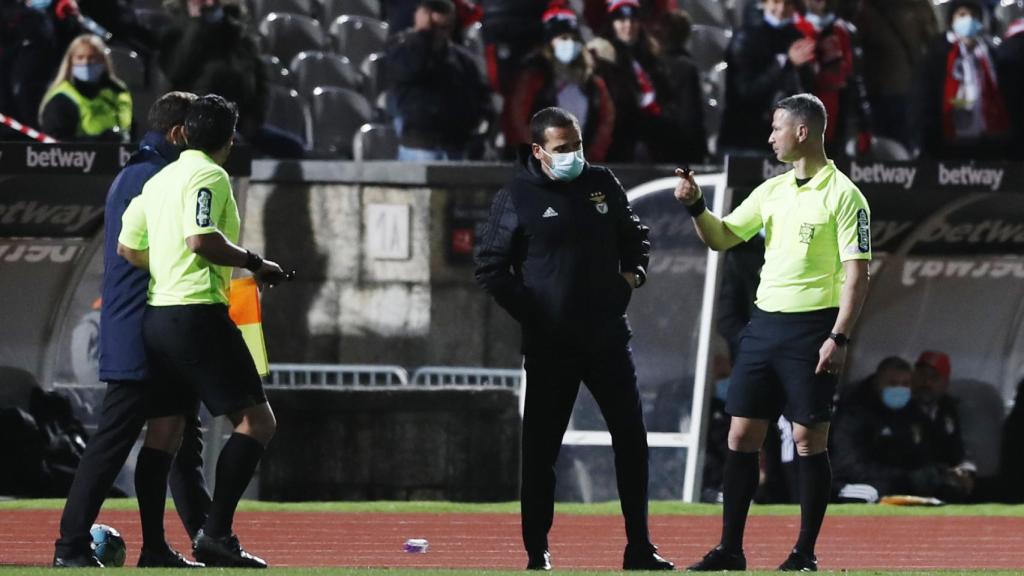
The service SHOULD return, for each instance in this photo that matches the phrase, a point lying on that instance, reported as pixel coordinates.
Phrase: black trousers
(121, 419)
(552, 385)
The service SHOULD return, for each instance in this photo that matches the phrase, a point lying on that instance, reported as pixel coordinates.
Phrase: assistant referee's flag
(245, 311)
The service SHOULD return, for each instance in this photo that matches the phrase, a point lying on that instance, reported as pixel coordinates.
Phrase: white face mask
(565, 166)
(820, 22)
(966, 26)
(88, 72)
(777, 22)
(567, 49)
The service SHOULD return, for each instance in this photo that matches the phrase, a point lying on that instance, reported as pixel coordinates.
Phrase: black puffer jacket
(552, 255)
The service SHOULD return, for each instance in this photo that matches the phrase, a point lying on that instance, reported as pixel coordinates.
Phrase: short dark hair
(169, 111)
(892, 363)
(676, 27)
(805, 107)
(552, 117)
(972, 5)
(445, 7)
(210, 123)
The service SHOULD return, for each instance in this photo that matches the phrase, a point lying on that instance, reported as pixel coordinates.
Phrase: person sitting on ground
(87, 101)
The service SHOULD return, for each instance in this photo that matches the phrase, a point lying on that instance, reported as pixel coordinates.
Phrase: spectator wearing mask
(562, 73)
(894, 35)
(640, 91)
(685, 109)
(882, 444)
(961, 112)
(1010, 65)
(28, 55)
(511, 30)
(768, 59)
(837, 79)
(441, 96)
(86, 100)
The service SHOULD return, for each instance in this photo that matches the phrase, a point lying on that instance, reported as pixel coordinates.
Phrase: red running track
(491, 541)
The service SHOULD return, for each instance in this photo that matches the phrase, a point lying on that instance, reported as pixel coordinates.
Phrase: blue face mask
(966, 27)
(776, 22)
(565, 166)
(88, 72)
(895, 397)
(41, 5)
(820, 22)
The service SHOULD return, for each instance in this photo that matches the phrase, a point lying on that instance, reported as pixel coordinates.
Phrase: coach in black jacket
(562, 253)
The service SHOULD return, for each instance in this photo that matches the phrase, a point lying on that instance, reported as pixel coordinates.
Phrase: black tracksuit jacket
(552, 254)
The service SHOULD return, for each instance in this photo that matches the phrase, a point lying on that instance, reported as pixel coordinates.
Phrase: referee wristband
(253, 261)
(697, 208)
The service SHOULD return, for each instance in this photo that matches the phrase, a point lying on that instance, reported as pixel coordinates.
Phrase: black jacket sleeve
(497, 254)
(59, 118)
(412, 58)
(634, 245)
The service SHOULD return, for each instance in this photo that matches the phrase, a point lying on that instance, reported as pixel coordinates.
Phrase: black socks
(235, 467)
(151, 470)
(740, 483)
(815, 480)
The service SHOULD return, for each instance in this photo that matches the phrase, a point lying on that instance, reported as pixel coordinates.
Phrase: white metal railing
(336, 376)
(457, 377)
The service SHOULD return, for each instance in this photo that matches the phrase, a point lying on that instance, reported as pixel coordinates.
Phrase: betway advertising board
(926, 208)
(58, 190)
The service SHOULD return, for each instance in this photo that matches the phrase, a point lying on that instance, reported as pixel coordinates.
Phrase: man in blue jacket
(562, 253)
(126, 405)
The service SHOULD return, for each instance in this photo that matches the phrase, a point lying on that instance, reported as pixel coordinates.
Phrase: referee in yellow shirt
(183, 228)
(813, 283)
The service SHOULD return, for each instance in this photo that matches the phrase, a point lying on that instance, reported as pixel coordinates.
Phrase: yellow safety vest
(107, 110)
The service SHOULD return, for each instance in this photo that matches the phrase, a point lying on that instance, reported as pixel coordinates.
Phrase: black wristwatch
(839, 338)
(253, 261)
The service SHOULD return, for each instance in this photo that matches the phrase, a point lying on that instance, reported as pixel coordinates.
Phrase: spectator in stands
(881, 439)
(685, 108)
(119, 18)
(837, 78)
(28, 56)
(768, 59)
(441, 97)
(894, 35)
(638, 86)
(1010, 67)
(595, 12)
(939, 409)
(1011, 465)
(561, 73)
(86, 100)
(960, 112)
(64, 18)
(511, 30)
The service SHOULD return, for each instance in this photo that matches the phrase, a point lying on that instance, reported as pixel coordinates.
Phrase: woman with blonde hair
(87, 101)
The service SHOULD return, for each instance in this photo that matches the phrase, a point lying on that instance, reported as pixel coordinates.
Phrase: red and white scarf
(970, 83)
(648, 98)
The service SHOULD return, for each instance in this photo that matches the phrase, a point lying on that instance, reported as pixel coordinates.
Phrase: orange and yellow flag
(245, 311)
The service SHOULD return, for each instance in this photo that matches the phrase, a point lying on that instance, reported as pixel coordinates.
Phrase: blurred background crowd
(675, 81)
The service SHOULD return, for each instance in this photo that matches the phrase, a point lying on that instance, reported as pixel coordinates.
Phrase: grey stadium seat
(285, 35)
(337, 114)
(356, 37)
(128, 66)
(288, 111)
(315, 68)
(373, 69)
(708, 45)
(882, 148)
(154, 20)
(261, 8)
(708, 12)
(276, 72)
(375, 142)
(335, 8)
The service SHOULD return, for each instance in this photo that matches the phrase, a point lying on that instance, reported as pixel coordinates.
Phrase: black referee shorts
(197, 352)
(774, 369)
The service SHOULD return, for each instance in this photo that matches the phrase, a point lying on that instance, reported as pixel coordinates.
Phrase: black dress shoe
(224, 552)
(645, 558)
(76, 561)
(539, 561)
(720, 559)
(799, 562)
(166, 558)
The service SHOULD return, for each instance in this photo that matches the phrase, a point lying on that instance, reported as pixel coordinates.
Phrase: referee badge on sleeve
(204, 200)
(863, 232)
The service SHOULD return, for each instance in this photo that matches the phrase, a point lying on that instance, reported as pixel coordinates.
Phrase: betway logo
(71, 218)
(770, 169)
(878, 173)
(967, 175)
(33, 253)
(57, 157)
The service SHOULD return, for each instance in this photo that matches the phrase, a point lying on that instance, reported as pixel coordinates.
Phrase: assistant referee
(184, 228)
(813, 284)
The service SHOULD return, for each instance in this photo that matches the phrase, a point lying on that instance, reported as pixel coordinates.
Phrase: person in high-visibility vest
(86, 100)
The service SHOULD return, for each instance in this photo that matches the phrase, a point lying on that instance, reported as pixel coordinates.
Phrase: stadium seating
(356, 37)
(261, 8)
(128, 66)
(285, 35)
(275, 72)
(372, 68)
(881, 149)
(287, 110)
(157, 5)
(337, 114)
(314, 68)
(708, 45)
(706, 12)
(154, 20)
(336, 8)
(375, 142)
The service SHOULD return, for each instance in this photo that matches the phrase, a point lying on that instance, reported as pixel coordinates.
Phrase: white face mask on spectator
(567, 49)
(777, 22)
(88, 72)
(820, 22)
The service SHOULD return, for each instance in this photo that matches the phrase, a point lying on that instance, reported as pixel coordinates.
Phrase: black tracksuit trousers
(552, 383)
